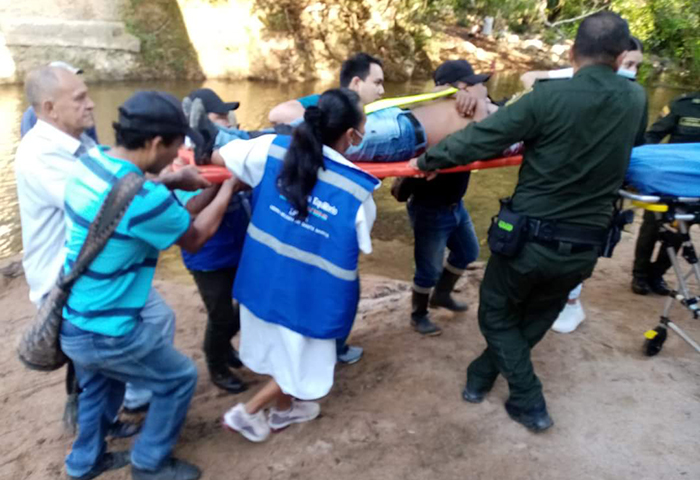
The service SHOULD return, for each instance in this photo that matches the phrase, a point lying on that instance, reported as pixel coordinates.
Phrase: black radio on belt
(508, 231)
(620, 218)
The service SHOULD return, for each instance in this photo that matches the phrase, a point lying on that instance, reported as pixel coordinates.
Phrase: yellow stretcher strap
(652, 207)
(409, 100)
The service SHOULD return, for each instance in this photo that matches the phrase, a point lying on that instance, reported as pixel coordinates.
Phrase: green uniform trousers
(519, 300)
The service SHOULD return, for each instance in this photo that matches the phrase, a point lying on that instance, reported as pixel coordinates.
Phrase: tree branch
(571, 20)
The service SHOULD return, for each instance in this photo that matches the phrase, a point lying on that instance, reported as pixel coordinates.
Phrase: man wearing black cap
(214, 268)
(459, 74)
(440, 220)
(104, 332)
(216, 109)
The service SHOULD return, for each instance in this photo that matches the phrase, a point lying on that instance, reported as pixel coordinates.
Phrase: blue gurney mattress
(669, 169)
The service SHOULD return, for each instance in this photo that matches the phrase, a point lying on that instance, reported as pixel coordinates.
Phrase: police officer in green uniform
(682, 123)
(578, 136)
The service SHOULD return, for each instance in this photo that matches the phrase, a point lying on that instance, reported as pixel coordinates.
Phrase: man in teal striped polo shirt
(106, 331)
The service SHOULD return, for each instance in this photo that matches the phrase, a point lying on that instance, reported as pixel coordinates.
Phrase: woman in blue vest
(297, 282)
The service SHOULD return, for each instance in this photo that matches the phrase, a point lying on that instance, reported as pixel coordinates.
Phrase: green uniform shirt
(681, 121)
(578, 136)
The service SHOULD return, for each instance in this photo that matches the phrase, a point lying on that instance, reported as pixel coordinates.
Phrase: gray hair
(41, 84)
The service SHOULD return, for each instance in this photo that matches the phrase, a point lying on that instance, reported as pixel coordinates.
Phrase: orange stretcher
(217, 174)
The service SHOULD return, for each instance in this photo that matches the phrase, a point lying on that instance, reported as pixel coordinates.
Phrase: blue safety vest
(303, 274)
(223, 250)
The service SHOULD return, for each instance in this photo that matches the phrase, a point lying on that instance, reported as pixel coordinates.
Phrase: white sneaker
(570, 318)
(253, 427)
(299, 412)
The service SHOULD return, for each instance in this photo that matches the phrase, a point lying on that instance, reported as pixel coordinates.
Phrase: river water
(392, 234)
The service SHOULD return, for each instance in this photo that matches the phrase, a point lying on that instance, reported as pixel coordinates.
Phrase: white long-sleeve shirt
(44, 160)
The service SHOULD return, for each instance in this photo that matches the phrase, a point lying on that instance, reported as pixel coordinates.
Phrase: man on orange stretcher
(392, 134)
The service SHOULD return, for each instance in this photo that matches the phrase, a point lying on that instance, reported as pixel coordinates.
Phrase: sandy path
(398, 413)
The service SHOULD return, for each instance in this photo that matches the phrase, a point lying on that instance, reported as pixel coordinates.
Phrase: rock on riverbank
(284, 41)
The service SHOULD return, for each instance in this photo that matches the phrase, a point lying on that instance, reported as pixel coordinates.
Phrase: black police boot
(223, 378)
(536, 418)
(420, 319)
(442, 294)
(640, 286)
(472, 395)
(659, 286)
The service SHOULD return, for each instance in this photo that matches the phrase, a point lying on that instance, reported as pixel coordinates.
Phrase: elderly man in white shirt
(44, 160)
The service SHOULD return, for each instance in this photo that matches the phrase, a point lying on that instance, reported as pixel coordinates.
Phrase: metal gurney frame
(678, 214)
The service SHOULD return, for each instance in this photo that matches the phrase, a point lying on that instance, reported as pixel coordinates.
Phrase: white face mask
(627, 73)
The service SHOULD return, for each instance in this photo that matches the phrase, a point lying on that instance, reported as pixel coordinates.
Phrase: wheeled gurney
(654, 170)
(677, 215)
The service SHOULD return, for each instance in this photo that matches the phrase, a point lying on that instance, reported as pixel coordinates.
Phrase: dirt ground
(398, 413)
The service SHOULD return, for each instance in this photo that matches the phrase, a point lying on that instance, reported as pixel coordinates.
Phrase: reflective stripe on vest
(291, 251)
(303, 274)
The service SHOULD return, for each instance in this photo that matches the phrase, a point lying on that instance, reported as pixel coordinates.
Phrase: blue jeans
(436, 228)
(102, 365)
(158, 313)
(389, 137)
(227, 135)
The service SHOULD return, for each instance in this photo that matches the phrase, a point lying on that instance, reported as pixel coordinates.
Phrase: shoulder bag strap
(105, 223)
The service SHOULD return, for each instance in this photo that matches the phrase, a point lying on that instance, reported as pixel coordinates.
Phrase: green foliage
(670, 28)
(165, 46)
(667, 27)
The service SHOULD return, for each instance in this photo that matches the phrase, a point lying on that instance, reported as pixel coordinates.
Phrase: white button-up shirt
(44, 160)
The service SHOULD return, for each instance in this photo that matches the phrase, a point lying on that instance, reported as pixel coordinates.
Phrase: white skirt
(302, 366)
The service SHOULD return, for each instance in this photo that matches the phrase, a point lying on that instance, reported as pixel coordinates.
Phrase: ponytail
(337, 111)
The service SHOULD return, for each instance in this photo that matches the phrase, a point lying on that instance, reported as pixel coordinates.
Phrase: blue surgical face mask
(627, 74)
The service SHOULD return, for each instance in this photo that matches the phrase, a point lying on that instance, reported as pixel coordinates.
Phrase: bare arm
(529, 78)
(286, 112)
(199, 203)
(187, 178)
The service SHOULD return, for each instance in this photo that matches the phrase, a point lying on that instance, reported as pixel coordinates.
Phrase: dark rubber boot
(659, 286)
(472, 395)
(640, 286)
(535, 419)
(420, 319)
(442, 294)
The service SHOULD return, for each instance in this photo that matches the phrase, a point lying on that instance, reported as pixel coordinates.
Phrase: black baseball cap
(453, 71)
(156, 112)
(212, 102)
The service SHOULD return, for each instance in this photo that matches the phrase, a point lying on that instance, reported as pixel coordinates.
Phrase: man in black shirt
(439, 220)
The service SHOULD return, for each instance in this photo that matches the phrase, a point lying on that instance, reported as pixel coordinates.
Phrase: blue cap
(156, 112)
